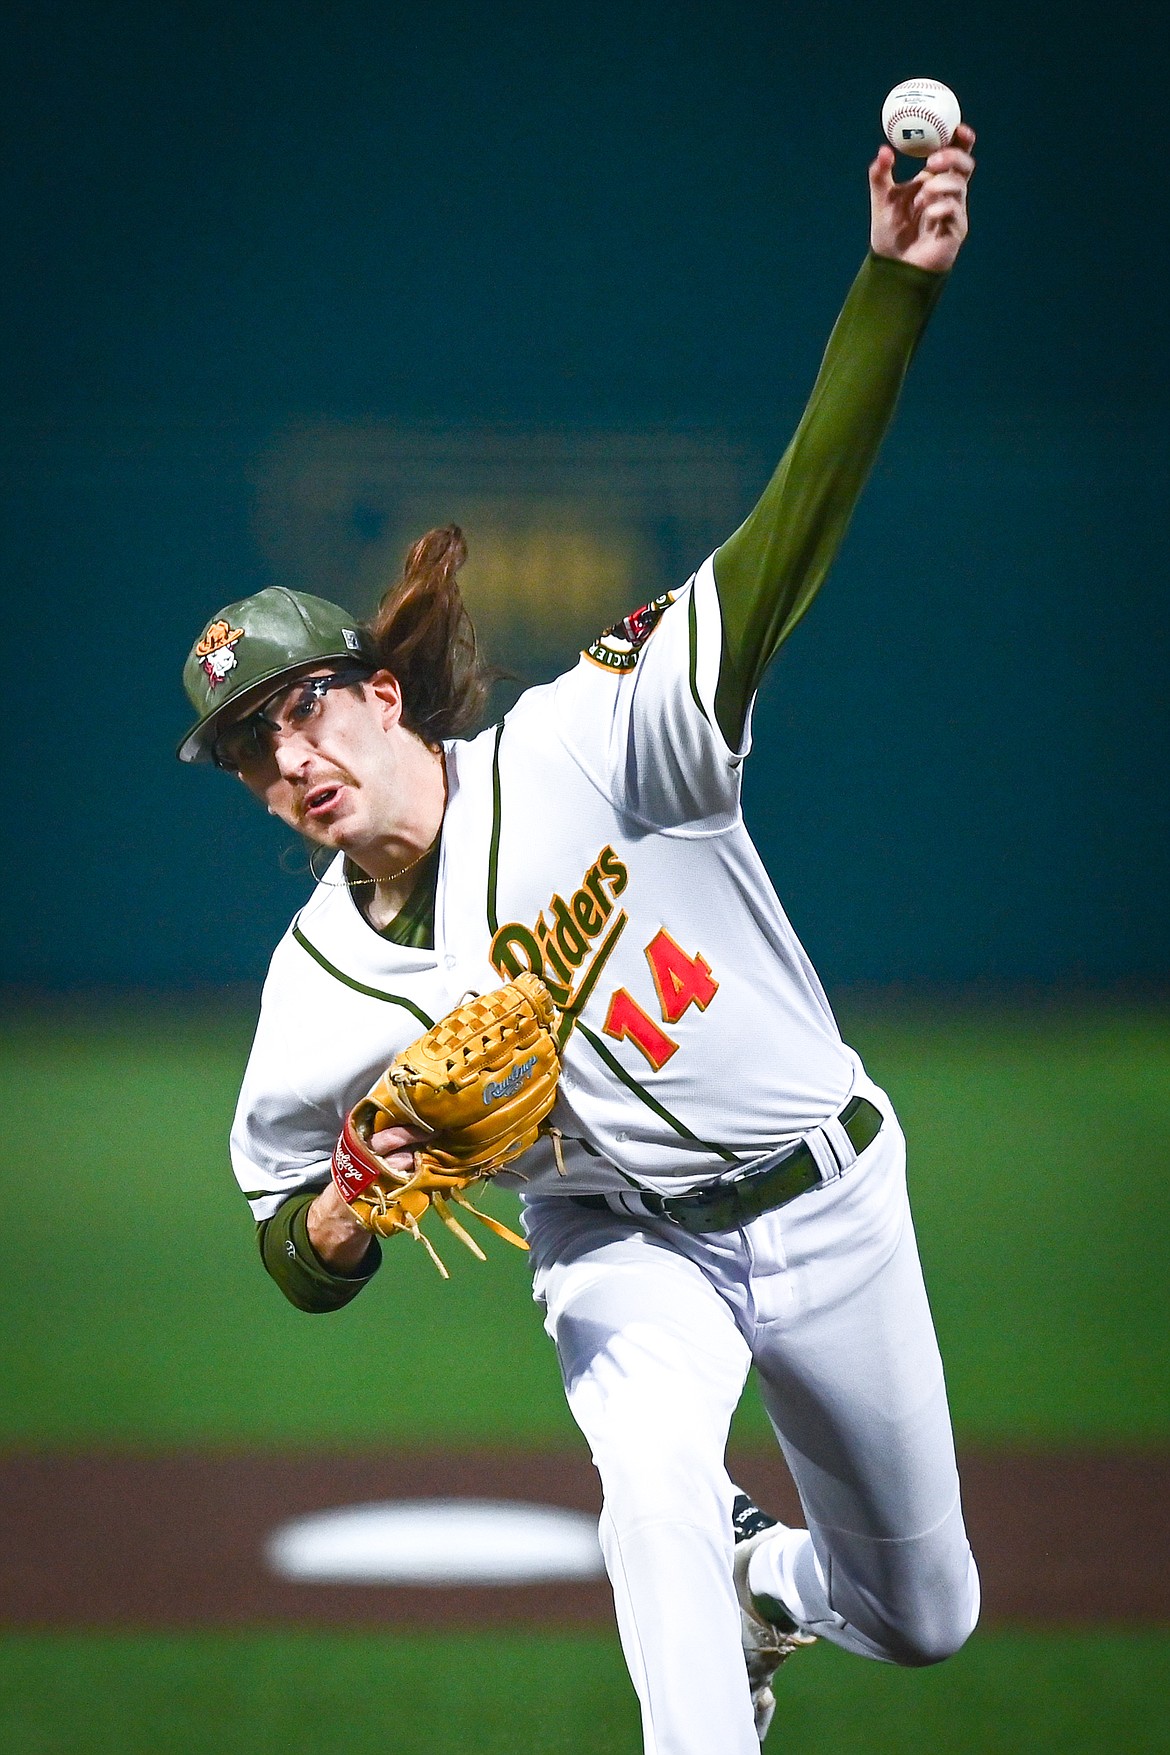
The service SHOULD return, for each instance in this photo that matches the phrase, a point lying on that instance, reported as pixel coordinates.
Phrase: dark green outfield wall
(223, 222)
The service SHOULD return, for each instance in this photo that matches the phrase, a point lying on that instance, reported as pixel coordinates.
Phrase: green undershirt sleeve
(768, 573)
(296, 1267)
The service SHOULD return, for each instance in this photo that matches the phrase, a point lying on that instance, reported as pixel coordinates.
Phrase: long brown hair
(421, 631)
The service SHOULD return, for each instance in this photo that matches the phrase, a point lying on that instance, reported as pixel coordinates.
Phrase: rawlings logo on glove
(513, 1082)
(481, 1082)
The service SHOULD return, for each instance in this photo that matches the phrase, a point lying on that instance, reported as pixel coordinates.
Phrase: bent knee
(912, 1603)
(936, 1626)
(930, 1645)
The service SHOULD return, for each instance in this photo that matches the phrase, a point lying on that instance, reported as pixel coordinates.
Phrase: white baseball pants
(655, 1331)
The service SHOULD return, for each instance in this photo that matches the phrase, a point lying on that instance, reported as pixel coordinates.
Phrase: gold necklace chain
(361, 883)
(348, 883)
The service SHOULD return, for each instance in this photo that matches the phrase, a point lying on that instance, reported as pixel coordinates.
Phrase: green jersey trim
(494, 847)
(615, 1066)
(575, 1005)
(693, 628)
(275, 1193)
(360, 986)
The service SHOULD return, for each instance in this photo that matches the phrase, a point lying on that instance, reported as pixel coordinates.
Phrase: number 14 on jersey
(680, 981)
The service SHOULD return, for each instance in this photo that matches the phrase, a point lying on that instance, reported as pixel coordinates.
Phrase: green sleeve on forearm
(296, 1267)
(768, 573)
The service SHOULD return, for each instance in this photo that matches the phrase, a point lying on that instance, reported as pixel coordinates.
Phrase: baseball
(919, 116)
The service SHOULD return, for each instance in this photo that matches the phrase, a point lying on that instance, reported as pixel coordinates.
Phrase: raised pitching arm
(768, 573)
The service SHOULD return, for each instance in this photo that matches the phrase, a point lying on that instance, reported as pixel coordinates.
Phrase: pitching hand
(922, 221)
(395, 1145)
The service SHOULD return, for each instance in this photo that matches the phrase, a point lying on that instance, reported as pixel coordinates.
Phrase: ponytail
(421, 631)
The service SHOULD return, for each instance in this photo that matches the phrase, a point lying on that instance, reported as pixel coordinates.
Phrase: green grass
(1039, 1153)
(135, 1310)
(541, 1694)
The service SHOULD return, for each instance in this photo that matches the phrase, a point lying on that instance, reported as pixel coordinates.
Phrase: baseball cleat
(769, 1633)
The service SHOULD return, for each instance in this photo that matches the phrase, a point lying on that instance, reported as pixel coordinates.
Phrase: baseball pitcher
(551, 952)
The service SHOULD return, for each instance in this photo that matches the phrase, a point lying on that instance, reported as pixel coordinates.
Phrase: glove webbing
(404, 1221)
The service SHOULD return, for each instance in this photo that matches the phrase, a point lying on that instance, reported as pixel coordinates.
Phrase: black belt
(725, 1206)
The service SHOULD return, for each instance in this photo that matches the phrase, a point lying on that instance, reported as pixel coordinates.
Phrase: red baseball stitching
(921, 115)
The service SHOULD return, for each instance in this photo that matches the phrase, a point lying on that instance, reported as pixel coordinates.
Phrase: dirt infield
(168, 1541)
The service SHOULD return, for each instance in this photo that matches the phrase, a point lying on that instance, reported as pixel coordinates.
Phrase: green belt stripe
(615, 1066)
(360, 986)
(494, 849)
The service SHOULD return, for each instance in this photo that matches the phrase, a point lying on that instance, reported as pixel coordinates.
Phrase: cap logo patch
(352, 639)
(215, 651)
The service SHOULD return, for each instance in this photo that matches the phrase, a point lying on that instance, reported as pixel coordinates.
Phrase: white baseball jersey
(596, 837)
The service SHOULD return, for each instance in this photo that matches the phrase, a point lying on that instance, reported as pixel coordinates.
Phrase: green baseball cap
(247, 647)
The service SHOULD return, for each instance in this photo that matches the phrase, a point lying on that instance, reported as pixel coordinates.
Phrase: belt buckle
(722, 1206)
(715, 1209)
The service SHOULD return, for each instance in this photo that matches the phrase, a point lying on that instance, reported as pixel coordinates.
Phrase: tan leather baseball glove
(481, 1082)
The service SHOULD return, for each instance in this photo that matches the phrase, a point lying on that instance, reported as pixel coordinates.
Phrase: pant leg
(653, 1366)
(851, 1375)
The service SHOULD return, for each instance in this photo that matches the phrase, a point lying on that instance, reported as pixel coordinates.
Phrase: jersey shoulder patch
(618, 647)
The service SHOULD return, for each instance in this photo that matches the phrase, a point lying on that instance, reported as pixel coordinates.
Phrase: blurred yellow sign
(566, 532)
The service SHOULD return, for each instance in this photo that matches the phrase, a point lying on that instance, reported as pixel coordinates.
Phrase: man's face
(324, 760)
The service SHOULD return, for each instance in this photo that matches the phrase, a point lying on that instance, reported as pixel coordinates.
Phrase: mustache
(339, 777)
